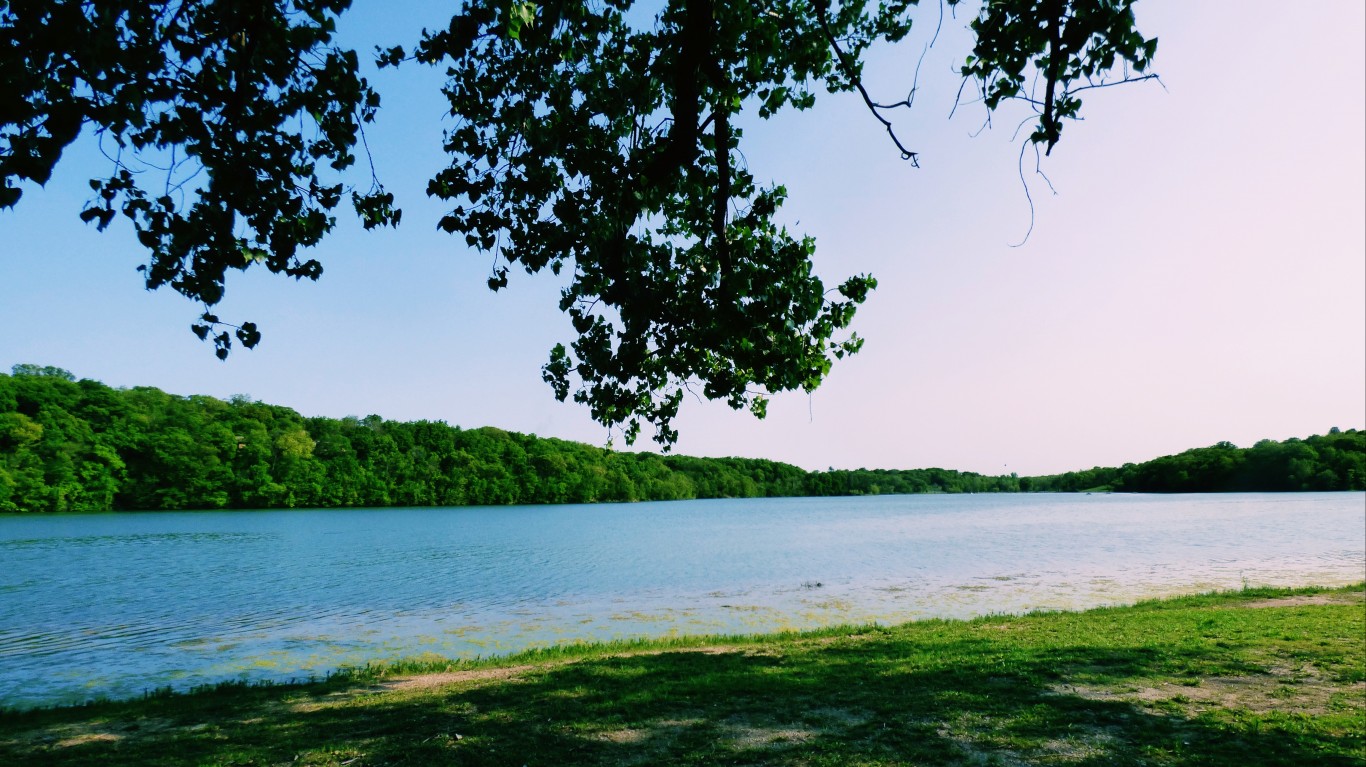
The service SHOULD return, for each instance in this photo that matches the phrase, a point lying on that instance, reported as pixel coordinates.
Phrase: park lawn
(1257, 677)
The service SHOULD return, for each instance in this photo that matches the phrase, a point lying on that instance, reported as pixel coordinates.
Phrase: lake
(113, 605)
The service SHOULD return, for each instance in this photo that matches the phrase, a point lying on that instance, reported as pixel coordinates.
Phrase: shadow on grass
(879, 699)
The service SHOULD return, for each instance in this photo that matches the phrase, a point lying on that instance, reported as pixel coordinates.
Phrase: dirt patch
(1091, 746)
(1083, 745)
(750, 738)
(440, 679)
(1341, 598)
(416, 682)
(1286, 689)
(444, 678)
(744, 732)
(630, 735)
(978, 755)
(83, 733)
(837, 718)
(644, 745)
(741, 733)
(94, 737)
(705, 650)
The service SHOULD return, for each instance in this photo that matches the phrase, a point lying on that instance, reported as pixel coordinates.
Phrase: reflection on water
(112, 605)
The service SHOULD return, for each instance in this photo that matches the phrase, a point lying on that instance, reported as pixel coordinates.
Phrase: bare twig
(1124, 81)
(850, 72)
(1028, 197)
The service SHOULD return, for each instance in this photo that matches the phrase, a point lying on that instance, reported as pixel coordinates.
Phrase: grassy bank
(1260, 677)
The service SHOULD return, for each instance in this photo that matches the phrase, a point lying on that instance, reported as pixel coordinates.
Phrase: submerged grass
(1257, 677)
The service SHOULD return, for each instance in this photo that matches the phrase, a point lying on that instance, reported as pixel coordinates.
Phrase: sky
(1198, 274)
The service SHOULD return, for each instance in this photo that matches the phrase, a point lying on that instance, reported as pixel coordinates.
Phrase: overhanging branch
(852, 74)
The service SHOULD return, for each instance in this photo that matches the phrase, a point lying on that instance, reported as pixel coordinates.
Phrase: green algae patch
(1259, 677)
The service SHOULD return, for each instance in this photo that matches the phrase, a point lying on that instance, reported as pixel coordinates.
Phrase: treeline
(906, 481)
(1333, 461)
(68, 445)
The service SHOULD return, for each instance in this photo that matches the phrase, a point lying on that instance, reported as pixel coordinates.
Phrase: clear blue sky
(1199, 276)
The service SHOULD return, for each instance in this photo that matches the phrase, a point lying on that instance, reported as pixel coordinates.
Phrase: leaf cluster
(220, 120)
(1069, 45)
(606, 151)
(598, 140)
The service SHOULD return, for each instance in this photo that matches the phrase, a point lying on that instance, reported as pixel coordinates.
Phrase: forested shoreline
(69, 445)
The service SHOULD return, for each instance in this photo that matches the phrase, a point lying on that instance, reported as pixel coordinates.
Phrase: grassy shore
(1258, 677)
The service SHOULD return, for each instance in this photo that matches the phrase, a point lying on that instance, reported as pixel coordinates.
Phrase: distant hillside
(1333, 461)
(68, 445)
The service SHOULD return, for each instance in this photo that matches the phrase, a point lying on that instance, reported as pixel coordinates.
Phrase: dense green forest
(68, 445)
(1332, 461)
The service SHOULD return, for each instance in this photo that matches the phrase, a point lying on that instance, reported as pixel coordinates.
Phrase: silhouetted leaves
(588, 138)
(1063, 47)
(588, 142)
(214, 117)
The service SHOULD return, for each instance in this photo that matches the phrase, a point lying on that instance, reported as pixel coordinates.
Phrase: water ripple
(115, 604)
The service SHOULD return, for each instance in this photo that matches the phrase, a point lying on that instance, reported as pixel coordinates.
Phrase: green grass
(1257, 677)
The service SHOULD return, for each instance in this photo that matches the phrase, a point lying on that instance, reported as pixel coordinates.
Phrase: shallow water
(113, 605)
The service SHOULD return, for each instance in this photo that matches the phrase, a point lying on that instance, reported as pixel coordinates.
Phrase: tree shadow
(862, 701)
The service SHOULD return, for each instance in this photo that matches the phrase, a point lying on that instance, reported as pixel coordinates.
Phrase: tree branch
(823, 16)
(1049, 120)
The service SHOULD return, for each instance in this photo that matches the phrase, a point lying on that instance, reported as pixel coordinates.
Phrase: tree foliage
(611, 150)
(1045, 52)
(215, 117)
(596, 138)
(68, 445)
(1332, 461)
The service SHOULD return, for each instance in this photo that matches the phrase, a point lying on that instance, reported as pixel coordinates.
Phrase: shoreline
(1270, 670)
(640, 502)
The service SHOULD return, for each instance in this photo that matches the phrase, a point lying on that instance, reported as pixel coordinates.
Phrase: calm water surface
(113, 605)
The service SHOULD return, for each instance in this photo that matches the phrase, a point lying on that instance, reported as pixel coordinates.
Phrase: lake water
(113, 605)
